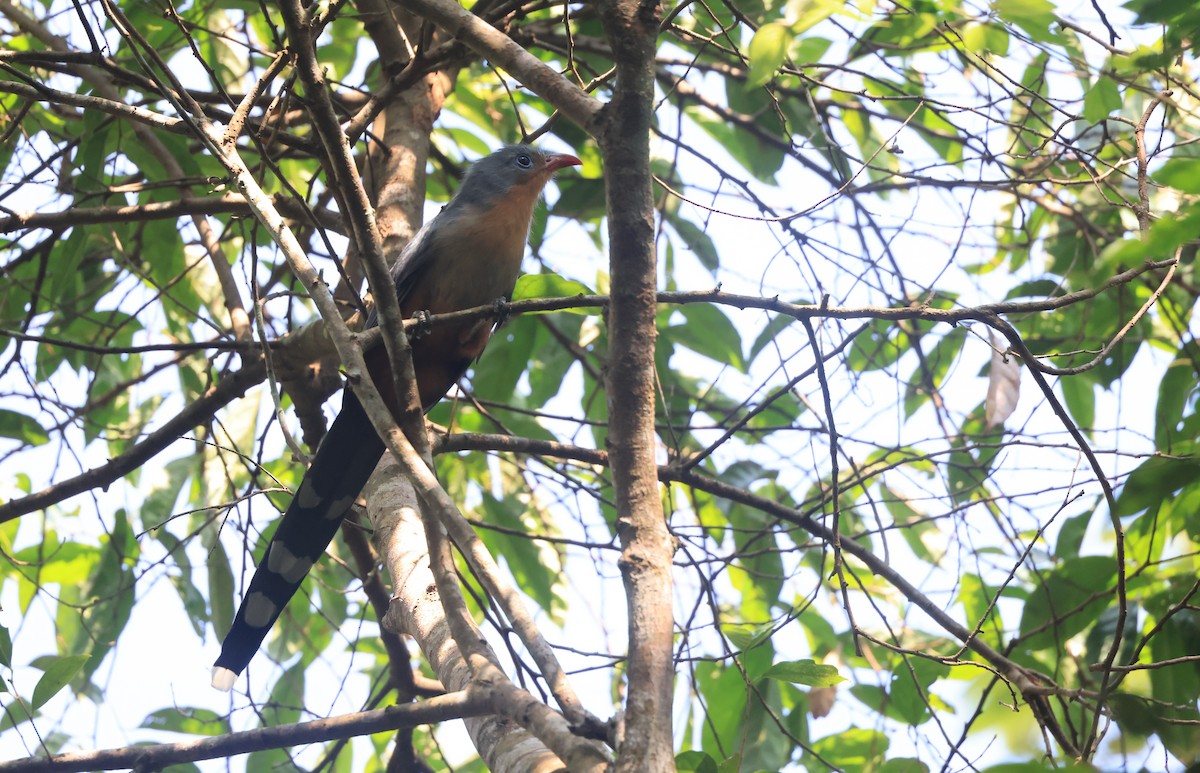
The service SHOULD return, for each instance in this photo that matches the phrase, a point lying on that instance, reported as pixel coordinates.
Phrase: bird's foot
(500, 309)
(424, 325)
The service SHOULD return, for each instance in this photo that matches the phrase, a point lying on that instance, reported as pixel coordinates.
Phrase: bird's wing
(344, 461)
(415, 260)
(411, 268)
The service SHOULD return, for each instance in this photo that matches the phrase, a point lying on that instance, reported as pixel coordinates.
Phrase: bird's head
(519, 171)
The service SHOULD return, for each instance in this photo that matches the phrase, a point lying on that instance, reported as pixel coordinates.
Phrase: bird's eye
(524, 161)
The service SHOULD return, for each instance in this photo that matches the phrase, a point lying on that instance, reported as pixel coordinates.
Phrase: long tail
(344, 461)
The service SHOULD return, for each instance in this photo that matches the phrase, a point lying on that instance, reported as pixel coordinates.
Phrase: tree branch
(458, 705)
(229, 389)
(227, 203)
(494, 45)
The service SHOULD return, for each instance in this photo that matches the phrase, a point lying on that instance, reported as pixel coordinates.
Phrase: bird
(468, 255)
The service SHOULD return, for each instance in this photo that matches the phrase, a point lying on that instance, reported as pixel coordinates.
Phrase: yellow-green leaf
(767, 49)
(1101, 100)
(58, 673)
(533, 286)
(807, 672)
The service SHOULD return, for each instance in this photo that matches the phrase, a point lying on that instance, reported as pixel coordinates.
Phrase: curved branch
(489, 42)
(468, 703)
(224, 204)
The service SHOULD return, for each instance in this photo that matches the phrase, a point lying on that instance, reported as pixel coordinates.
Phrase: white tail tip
(223, 678)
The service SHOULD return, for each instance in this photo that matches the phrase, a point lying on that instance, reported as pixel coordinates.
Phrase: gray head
(509, 171)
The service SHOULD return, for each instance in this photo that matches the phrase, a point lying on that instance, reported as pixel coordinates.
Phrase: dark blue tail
(344, 461)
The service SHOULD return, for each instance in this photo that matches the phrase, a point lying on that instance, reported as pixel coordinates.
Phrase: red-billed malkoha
(467, 256)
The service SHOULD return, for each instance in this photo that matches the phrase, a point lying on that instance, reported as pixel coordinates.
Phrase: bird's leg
(424, 324)
(500, 309)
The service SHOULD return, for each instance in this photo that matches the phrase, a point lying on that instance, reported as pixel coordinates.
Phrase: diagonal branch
(468, 703)
(498, 48)
(198, 412)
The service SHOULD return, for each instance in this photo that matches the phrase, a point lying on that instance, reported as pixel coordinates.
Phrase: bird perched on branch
(469, 255)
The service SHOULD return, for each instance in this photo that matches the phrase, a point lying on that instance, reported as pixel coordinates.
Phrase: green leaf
(107, 598)
(911, 700)
(1176, 389)
(986, 39)
(535, 566)
(923, 536)
(732, 764)
(879, 346)
(903, 765)
(697, 241)
(767, 50)
(733, 720)
(58, 673)
(762, 746)
(94, 147)
(1183, 174)
(1165, 236)
(1100, 636)
(5, 648)
(1079, 393)
(192, 721)
(1038, 288)
(900, 30)
(931, 374)
(757, 573)
(532, 286)
(1154, 480)
(803, 15)
(709, 332)
(769, 333)
(1176, 726)
(1066, 601)
(1035, 17)
(746, 637)
(580, 198)
(807, 672)
(14, 713)
(853, 749)
(287, 697)
(67, 563)
(976, 598)
(760, 158)
(66, 257)
(220, 589)
(503, 364)
(189, 594)
(1070, 536)
(18, 426)
(1102, 100)
(695, 762)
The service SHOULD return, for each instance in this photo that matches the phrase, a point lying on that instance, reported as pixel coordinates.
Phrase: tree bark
(646, 544)
(417, 610)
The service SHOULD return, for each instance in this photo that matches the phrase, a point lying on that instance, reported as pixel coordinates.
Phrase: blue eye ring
(524, 161)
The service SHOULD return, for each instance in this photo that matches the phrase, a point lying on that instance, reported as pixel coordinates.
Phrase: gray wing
(415, 259)
(412, 265)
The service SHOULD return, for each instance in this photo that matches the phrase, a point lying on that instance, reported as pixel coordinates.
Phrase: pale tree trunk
(417, 610)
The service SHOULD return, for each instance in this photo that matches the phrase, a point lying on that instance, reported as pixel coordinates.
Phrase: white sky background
(160, 662)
